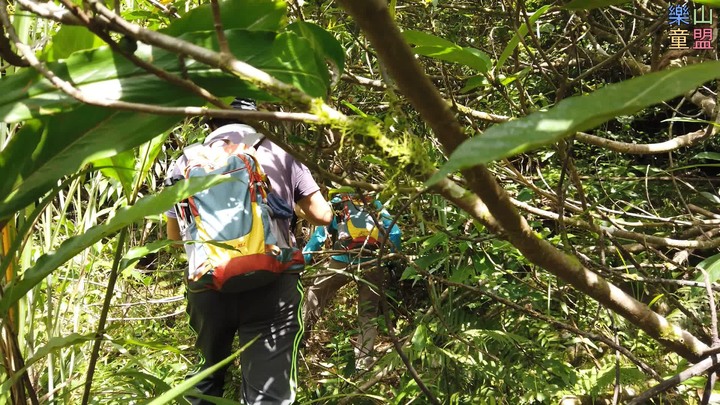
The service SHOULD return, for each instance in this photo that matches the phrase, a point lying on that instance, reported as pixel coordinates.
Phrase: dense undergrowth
(476, 320)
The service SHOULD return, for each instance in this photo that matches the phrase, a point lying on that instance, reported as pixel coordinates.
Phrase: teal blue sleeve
(317, 239)
(395, 234)
(333, 224)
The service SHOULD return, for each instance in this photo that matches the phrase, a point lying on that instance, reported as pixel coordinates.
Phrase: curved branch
(6, 52)
(149, 67)
(230, 64)
(693, 138)
(709, 363)
(620, 233)
(51, 11)
(707, 103)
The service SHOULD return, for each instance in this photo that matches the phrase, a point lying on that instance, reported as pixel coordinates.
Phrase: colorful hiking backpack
(356, 225)
(228, 228)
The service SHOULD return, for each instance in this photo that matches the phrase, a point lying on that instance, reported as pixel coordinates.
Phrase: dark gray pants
(268, 366)
(325, 286)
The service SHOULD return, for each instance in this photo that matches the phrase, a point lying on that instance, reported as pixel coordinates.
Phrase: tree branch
(691, 139)
(6, 52)
(620, 233)
(707, 364)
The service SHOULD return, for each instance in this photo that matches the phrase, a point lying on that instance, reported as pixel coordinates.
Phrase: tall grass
(145, 347)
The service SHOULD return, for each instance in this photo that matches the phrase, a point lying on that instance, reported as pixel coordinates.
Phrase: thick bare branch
(691, 139)
(707, 103)
(51, 11)
(6, 52)
(620, 233)
(709, 363)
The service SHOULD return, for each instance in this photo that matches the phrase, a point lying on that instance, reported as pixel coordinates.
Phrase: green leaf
(420, 338)
(409, 273)
(521, 32)
(462, 274)
(252, 15)
(576, 114)
(692, 120)
(712, 266)
(70, 39)
(54, 344)
(296, 63)
(711, 3)
(474, 82)
(149, 345)
(439, 238)
(591, 4)
(707, 155)
(711, 197)
(141, 380)
(148, 152)
(188, 384)
(39, 155)
(285, 56)
(628, 375)
(136, 253)
(149, 205)
(426, 261)
(120, 167)
(321, 41)
(442, 49)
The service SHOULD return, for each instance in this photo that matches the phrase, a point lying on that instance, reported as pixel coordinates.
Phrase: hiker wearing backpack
(243, 277)
(359, 227)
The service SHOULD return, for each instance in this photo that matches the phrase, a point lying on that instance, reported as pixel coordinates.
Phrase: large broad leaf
(253, 15)
(126, 167)
(322, 41)
(285, 56)
(120, 167)
(576, 114)
(150, 205)
(70, 39)
(101, 72)
(712, 266)
(39, 155)
(438, 48)
(136, 253)
(521, 32)
(590, 4)
(711, 3)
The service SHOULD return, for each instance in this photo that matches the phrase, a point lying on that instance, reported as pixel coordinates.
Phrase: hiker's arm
(314, 209)
(315, 243)
(173, 229)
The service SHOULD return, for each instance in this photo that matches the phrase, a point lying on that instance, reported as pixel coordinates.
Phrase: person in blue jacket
(341, 268)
